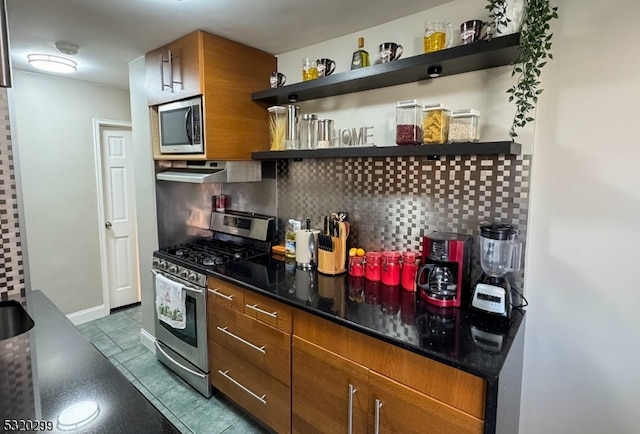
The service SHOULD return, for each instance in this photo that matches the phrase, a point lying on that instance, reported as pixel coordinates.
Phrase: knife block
(335, 262)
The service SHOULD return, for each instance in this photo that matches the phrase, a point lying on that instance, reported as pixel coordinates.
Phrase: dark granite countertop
(457, 337)
(52, 367)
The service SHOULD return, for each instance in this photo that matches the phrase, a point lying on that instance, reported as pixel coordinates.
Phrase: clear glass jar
(277, 127)
(325, 133)
(309, 132)
(464, 126)
(435, 124)
(292, 140)
(408, 122)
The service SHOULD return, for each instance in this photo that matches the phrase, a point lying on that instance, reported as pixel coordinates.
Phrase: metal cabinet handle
(170, 71)
(185, 287)
(162, 85)
(257, 309)
(352, 391)
(220, 294)
(228, 377)
(247, 343)
(377, 425)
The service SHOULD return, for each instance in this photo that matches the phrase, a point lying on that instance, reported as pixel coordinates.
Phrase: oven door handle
(186, 287)
(191, 371)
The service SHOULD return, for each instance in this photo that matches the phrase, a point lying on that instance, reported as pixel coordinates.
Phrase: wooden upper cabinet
(225, 73)
(173, 71)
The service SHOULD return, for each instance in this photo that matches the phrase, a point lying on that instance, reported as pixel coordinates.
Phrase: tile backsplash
(12, 283)
(393, 201)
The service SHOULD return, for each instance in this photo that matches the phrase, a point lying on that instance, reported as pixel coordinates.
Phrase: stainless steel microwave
(180, 126)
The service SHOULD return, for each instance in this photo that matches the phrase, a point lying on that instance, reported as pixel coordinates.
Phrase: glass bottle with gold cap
(360, 57)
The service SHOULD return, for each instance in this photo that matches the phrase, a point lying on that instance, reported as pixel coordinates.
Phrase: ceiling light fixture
(51, 63)
(67, 48)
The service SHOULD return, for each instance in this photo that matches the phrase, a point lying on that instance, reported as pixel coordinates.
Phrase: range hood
(203, 172)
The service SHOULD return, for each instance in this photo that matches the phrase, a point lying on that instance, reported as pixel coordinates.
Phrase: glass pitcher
(440, 282)
(437, 35)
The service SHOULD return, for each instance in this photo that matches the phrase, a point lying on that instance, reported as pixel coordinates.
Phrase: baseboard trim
(86, 315)
(148, 340)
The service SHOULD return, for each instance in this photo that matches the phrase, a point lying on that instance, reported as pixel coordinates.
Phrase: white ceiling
(111, 33)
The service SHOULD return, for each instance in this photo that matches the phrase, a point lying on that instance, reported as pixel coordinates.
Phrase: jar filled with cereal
(464, 126)
(408, 123)
(435, 124)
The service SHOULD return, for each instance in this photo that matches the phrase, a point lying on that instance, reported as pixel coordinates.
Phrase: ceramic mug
(277, 79)
(473, 31)
(325, 67)
(390, 51)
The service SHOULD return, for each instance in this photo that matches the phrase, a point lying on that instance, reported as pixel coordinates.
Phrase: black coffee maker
(443, 278)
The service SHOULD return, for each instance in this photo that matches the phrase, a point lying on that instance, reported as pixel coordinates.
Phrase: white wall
(145, 188)
(55, 137)
(583, 334)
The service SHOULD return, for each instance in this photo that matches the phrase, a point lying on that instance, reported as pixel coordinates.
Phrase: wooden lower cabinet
(396, 408)
(261, 395)
(329, 392)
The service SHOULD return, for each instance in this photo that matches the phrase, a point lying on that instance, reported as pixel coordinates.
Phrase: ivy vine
(535, 47)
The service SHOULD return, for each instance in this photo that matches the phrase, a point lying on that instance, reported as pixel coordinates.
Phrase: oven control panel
(189, 276)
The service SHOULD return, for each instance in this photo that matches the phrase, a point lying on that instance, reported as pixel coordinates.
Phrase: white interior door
(119, 217)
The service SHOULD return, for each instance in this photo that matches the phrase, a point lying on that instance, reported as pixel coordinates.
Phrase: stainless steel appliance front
(181, 127)
(184, 351)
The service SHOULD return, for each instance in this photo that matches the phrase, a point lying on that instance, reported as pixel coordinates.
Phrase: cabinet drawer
(262, 346)
(224, 294)
(395, 408)
(449, 385)
(268, 311)
(261, 395)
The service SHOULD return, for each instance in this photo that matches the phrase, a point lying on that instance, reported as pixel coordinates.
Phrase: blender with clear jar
(499, 254)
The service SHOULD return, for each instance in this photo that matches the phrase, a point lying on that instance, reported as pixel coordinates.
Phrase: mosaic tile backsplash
(393, 201)
(12, 284)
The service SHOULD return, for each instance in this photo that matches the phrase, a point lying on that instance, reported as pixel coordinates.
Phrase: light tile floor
(117, 336)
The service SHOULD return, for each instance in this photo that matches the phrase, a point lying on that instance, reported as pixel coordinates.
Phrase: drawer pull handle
(228, 377)
(255, 347)
(378, 407)
(352, 391)
(219, 294)
(257, 309)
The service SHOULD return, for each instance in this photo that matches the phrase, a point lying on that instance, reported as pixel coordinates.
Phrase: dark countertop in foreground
(454, 336)
(53, 366)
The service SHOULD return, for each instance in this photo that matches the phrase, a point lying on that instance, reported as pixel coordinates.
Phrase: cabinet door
(268, 311)
(329, 392)
(259, 394)
(395, 408)
(173, 71)
(224, 294)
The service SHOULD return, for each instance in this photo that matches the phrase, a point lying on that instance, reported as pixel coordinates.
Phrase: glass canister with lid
(309, 131)
(435, 124)
(464, 126)
(408, 122)
(277, 127)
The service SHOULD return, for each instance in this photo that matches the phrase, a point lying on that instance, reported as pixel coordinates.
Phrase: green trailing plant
(535, 51)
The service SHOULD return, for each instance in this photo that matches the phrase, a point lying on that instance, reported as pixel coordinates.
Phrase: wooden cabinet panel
(399, 409)
(262, 346)
(321, 392)
(261, 395)
(224, 294)
(183, 70)
(268, 311)
(452, 386)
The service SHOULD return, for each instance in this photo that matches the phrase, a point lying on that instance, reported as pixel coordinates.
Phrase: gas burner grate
(212, 252)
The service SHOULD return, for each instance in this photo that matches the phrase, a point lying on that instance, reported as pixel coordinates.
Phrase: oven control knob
(155, 263)
(173, 269)
(193, 277)
(163, 264)
(184, 273)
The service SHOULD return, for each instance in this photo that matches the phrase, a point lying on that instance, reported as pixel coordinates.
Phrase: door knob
(108, 225)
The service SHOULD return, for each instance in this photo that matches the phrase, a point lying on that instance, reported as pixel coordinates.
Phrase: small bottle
(360, 57)
(290, 238)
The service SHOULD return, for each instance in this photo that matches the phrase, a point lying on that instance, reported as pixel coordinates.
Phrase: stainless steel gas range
(236, 236)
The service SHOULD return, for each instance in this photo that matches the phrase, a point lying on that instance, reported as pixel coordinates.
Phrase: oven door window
(189, 334)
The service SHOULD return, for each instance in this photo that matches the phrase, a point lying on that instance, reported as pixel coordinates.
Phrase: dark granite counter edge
(485, 374)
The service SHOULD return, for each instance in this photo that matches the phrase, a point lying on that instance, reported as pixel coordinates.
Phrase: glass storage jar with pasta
(435, 124)
(464, 126)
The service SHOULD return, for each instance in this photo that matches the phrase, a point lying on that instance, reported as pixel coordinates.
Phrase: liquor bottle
(360, 57)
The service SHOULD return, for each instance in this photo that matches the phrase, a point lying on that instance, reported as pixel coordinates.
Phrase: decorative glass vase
(514, 11)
